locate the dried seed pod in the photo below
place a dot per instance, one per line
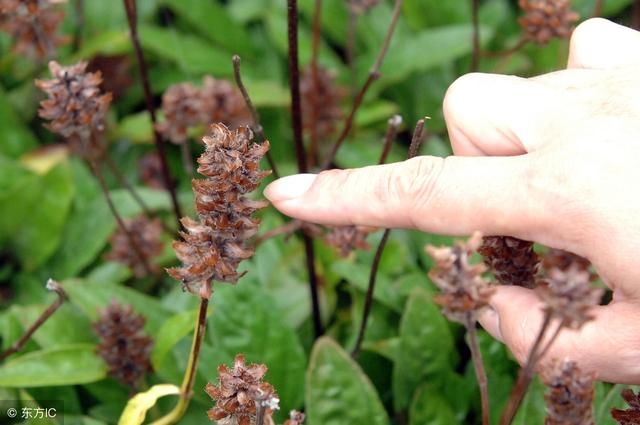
(325, 99)
(123, 344)
(630, 416)
(33, 24)
(361, 6)
(570, 395)
(76, 107)
(295, 418)
(347, 239)
(183, 107)
(146, 234)
(223, 103)
(214, 247)
(512, 260)
(463, 289)
(545, 19)
(150, 170)
(239, 393)
(569, 296)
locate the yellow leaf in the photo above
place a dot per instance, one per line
(136, 410)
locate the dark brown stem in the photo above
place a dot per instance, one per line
(313, 284)
(506, 53)
(475, 57)
(132, 241)
(392, 131)
(259, 414)
(285, 229)
(478, 365)
(132, 19)
(315, 80)
(374, 74)
(416, 140)
(597, 10)
(52, 285)
(635, 21)
(352, 26)
(257, 127)
(78, 6)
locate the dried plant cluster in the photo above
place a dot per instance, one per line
(630, 416)
(321, 99)
(463, 289)
(512, 260)
(295, 418)
(546, 19)
(33, 24)
(570, 395)
(123, 345)
(146, 234)
(214, 246)
(346, 239)
(241, 393)
(150, 170)
(187, 106)
(76, 108)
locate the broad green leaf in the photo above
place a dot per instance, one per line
(66, 326)
(375, 112)
(426, 352)
(430, 408)
(246, 320)
(337, 391)
(421, 14)
(192, 53)
(15, 136)
(170, 333)
(105, 43)
(65, 365)
(136, 410)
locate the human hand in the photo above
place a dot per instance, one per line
(553, 159)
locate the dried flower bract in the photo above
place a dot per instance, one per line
(630, 416)
(512, 260)
(322, 99)
(545, 19)
(570, 395)
(347, 239)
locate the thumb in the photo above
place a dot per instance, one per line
(607, 346)
(600, 44)
(454, 195)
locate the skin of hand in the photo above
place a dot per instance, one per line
(554, 159)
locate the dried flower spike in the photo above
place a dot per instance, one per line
(123, 344)
(240, 393)
(183, 108)
(570, 395)
(512, 260)
(322, 100)
(347, 239)
(545, 19)
(76, 107)
(464, 290)
(361, 6)
(33, 24)
(223, 103)
(150, 170)
(630, 416)
(214, 247)
(146, 234)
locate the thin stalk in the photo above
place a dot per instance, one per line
(315, 80)
(259, 414)
(635, 12)
(132, 241)
(257, 127)
(475, 39)
(187, 161)
(296, 118)
(52, 285)
(374, 74)
(597, 10)
(78, 6)
(285, 229)
(131, 9)
(392, 131)
(186, 389)
(478, 365)
(350, 53)
(506, 53)
(416, 141)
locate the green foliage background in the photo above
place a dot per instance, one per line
(415, 367)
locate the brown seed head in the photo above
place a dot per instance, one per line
(361, 6)
(545, 19)
(569, 296)
(463, 289)
(238, 393)
(150, 170)
(223, 103)
(123, 344)
(214, 247)
(183, 108)
(630, 416)
(325, 98)
(570, 395)
(512, 260)
(347, 239)
(76, 107)
(146, 234)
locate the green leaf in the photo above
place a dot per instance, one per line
(430, 408)
(66, 326)
(607, 397)
(191, 53)
(532, 409)
(15, 136)
(105, 43)
(338, 392)
(426, 352)
(421, 14)
(136, 410)
(172, 331)
(66, 365)
(247, 321)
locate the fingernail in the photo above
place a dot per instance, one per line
(290, 187)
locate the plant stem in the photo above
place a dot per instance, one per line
(597, 10)
(132, 241)
(257, 127)
(186, 389)
(635, 12)
(187, 161)
(130, 7)
(392, 131)
(506, 53)
(52, 285)
(478, 365)
(315, 80)
(352, 26)
(259, 413)
(78, 6)
(374, 74)
(475, 57)
(125, 183)
(296, 118)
